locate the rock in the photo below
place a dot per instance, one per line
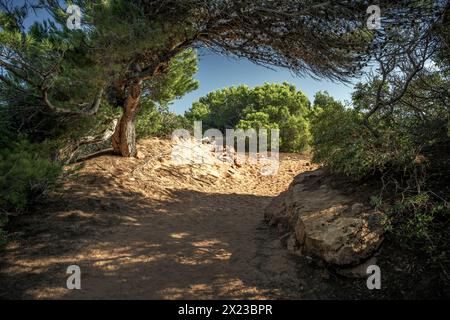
(328, 225)
(305, 176)
(341, 241)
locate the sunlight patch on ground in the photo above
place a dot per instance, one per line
(47, 293)
(204, 256)
(179, 235)
(224, 287)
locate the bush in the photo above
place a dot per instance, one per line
(274, 105)
(170, 122)
(26, 173)
(341, 141)
(152, 122)
(419, 221)
(148, 122)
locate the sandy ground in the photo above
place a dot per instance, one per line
(139, 229)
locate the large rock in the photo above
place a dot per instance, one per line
(325, 222)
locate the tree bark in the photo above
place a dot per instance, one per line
(124, 137)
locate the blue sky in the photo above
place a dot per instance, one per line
(217, 71)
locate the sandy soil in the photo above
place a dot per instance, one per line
(140, 229)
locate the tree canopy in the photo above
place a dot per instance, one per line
(277, 106)
(123, 44)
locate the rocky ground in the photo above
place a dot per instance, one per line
(318, 220)
(147, 229)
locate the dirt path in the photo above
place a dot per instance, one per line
(137, 233)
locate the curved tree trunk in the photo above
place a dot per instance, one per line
(124, 137)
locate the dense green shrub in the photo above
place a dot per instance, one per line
(26, 173)
(345, 144)
(419, 221)
(148, 122)
(269, 106)
(153, 122)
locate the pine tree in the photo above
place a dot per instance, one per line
(124, 44)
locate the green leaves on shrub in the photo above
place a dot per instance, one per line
(419, 219)
(341, 141)
(26, 172)
(152, 122)
(268, 106)
(3, 235)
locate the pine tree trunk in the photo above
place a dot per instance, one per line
(124, 138)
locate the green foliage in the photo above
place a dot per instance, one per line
(419, 221)
(221, 109)
(170, 122)
(153, 122)
(342, 142)
(178, 81)
(48, 56)
(26, 173)
(148, 121)
(153, 118)
(256, 120)
(295, 134)
(270, 106)
(405, 145)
